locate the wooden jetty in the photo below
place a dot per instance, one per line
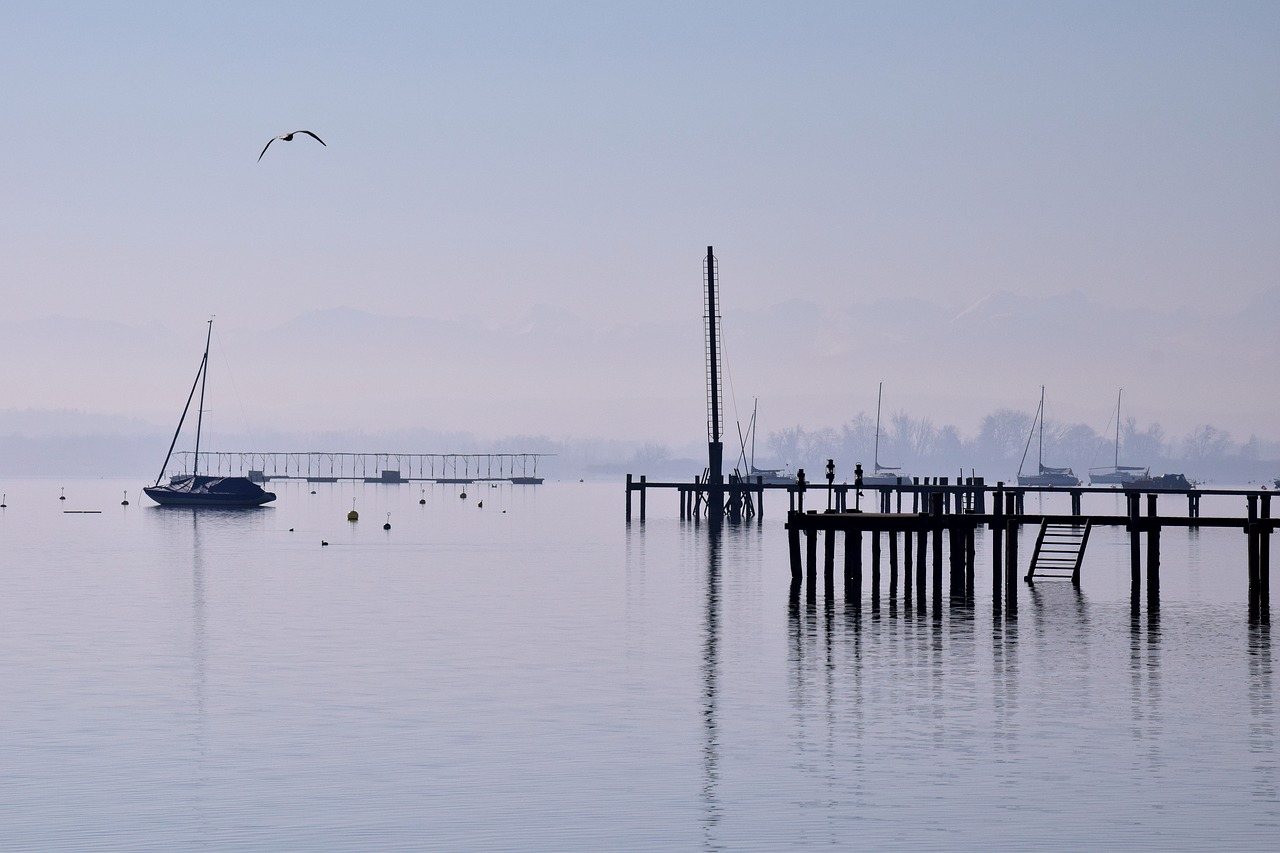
(926, 531)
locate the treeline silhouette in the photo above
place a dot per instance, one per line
(923, 448)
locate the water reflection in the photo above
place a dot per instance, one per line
(1262, 738)
(710, 674)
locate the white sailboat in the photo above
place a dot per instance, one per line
(883, 475)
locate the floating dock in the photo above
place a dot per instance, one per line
(326, 467)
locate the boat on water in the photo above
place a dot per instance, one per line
(1045, 475)
(767, 476)
(197, 489)
(1117, 474)
(1162, 483)
(883, 475)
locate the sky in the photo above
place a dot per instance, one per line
(486, 163)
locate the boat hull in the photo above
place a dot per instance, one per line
(198, 490)
(1163, 483)
(1064, 480)
(1116, 477)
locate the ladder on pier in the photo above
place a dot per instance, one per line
(1059, 550)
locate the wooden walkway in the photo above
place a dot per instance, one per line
(925, 532)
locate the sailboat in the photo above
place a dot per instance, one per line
(1045, 475)
(1117, 474)
(883, 475)
(768, 476)
(198, 489)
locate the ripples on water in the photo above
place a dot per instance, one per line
(535, 675)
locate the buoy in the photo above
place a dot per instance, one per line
(387, 526)
(480, 505)
(125, 502)
(353, 515)
(290, 529)
(423, 499)
(463, 496)
(2, 503)
(313, 491)
(63, 496)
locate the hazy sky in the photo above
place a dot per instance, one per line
(487, 158)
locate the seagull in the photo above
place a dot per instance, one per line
(288, 137)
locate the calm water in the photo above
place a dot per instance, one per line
(534, 675)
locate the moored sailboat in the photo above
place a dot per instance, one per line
(1045, 475)
(200, 489)
(1117, 474)
(883, 475)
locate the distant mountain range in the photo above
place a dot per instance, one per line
(552, 374)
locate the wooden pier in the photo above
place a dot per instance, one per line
(922, 536)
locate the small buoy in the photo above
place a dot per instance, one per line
(387, 526)
(290, 529)
(423, 499)
(322, 542)
(2, 503)
(313, 491)
(480, 505)
(125, 502)
(463, 496)
(353, 515)
(63, 496)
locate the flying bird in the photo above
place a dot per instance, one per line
(288, 137)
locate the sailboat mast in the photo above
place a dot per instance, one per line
(1040, 461)
(1117, 465)
(879, 394)
(204, 374)
(187, 408)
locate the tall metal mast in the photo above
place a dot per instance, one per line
(715, 450)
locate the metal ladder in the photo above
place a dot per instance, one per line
(1059, 550)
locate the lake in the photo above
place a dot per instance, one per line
(533, 674)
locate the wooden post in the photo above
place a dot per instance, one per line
(906, 568)
(1251, 528)
(1075, 502)
(628, 497)
(893, 565)
(852, 564)
(922, 544)
(956, 546)
(875, 569)
(980, 495)
(793, 545)
(1153, 553)
(970, 551)
(997, 535)
(936, 501)
(915, 494)
(1135, 544)
(1264, 554)
(811, 558)
(643, 491)
(858, 559)
(829, 554)
(1011, 552)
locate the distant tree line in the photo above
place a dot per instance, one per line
(922, 448)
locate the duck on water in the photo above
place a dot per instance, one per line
(200, 489)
